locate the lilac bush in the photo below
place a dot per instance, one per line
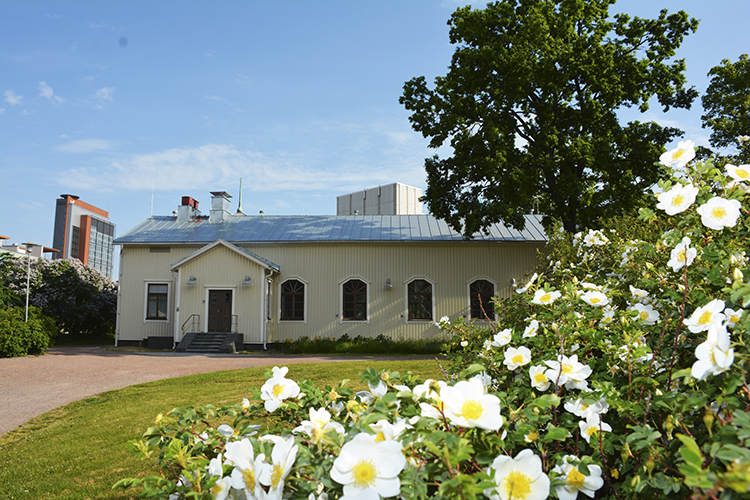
(80, 299)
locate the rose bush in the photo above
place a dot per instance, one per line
(618, 371)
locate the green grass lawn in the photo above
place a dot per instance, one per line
(80, 450)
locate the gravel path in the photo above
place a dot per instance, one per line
(31, 385)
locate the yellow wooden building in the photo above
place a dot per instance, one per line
(268, 279)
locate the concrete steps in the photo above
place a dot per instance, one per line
(210, 342)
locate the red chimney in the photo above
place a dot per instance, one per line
(190, 202)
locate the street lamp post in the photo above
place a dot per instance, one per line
(28, 246)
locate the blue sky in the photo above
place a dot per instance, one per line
(114, 100)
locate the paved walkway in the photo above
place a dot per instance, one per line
(32, 385)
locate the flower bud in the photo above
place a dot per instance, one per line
(159, 417)
(737, 274)
(708, 419)
(384, 376)
(669, 426)
(333, 395)
(625, 453)
(650, 464)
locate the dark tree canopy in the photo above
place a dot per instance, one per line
(529, 106)
(727, 107)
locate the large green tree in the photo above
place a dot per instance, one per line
(727, 107)
(529, 108)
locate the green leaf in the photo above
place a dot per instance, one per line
(690, 452)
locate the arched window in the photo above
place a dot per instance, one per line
(420, 300)
(354, 300)
(480, 296)
(292, 301)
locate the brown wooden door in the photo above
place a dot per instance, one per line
(219, 310)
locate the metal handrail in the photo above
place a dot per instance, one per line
(194, 319)
(234, 323)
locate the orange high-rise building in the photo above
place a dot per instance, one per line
(84, 232)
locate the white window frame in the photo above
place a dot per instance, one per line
(341, 300)
(146, 284)
(468, 296)
(304, 313)
(406, 301)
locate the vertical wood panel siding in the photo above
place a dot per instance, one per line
(140, 266)
(221, 268)
(450, 266)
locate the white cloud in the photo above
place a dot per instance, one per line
(13, 99)
(2, 111)
(46, 91)
(84, 146)
(105, 93)
(219, 166)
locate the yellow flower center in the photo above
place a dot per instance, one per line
(575, 478)
(595, 300)
(277, 389)
(718, 213)
(532, 436)
(316, 433)
(705, 318)
(517, 359)
(591, 430)
(248, 475)
(734, 318)
(276, 475)
(677, 154)
(216, 489)
(380, 437)
(643, 315)
(517, 485)
(678, 200)
(364, 473)
(471, 409)
(540, 378)
(545, 298)
(741, 172)
(567, 368)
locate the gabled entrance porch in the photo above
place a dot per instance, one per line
(221, 300)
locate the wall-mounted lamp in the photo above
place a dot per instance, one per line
(513, 282)
(388, 284)
(247, 281)
(192, 281)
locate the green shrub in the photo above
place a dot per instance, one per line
(19, 337)
(81, 299)
(360, 345)
(619, 371)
